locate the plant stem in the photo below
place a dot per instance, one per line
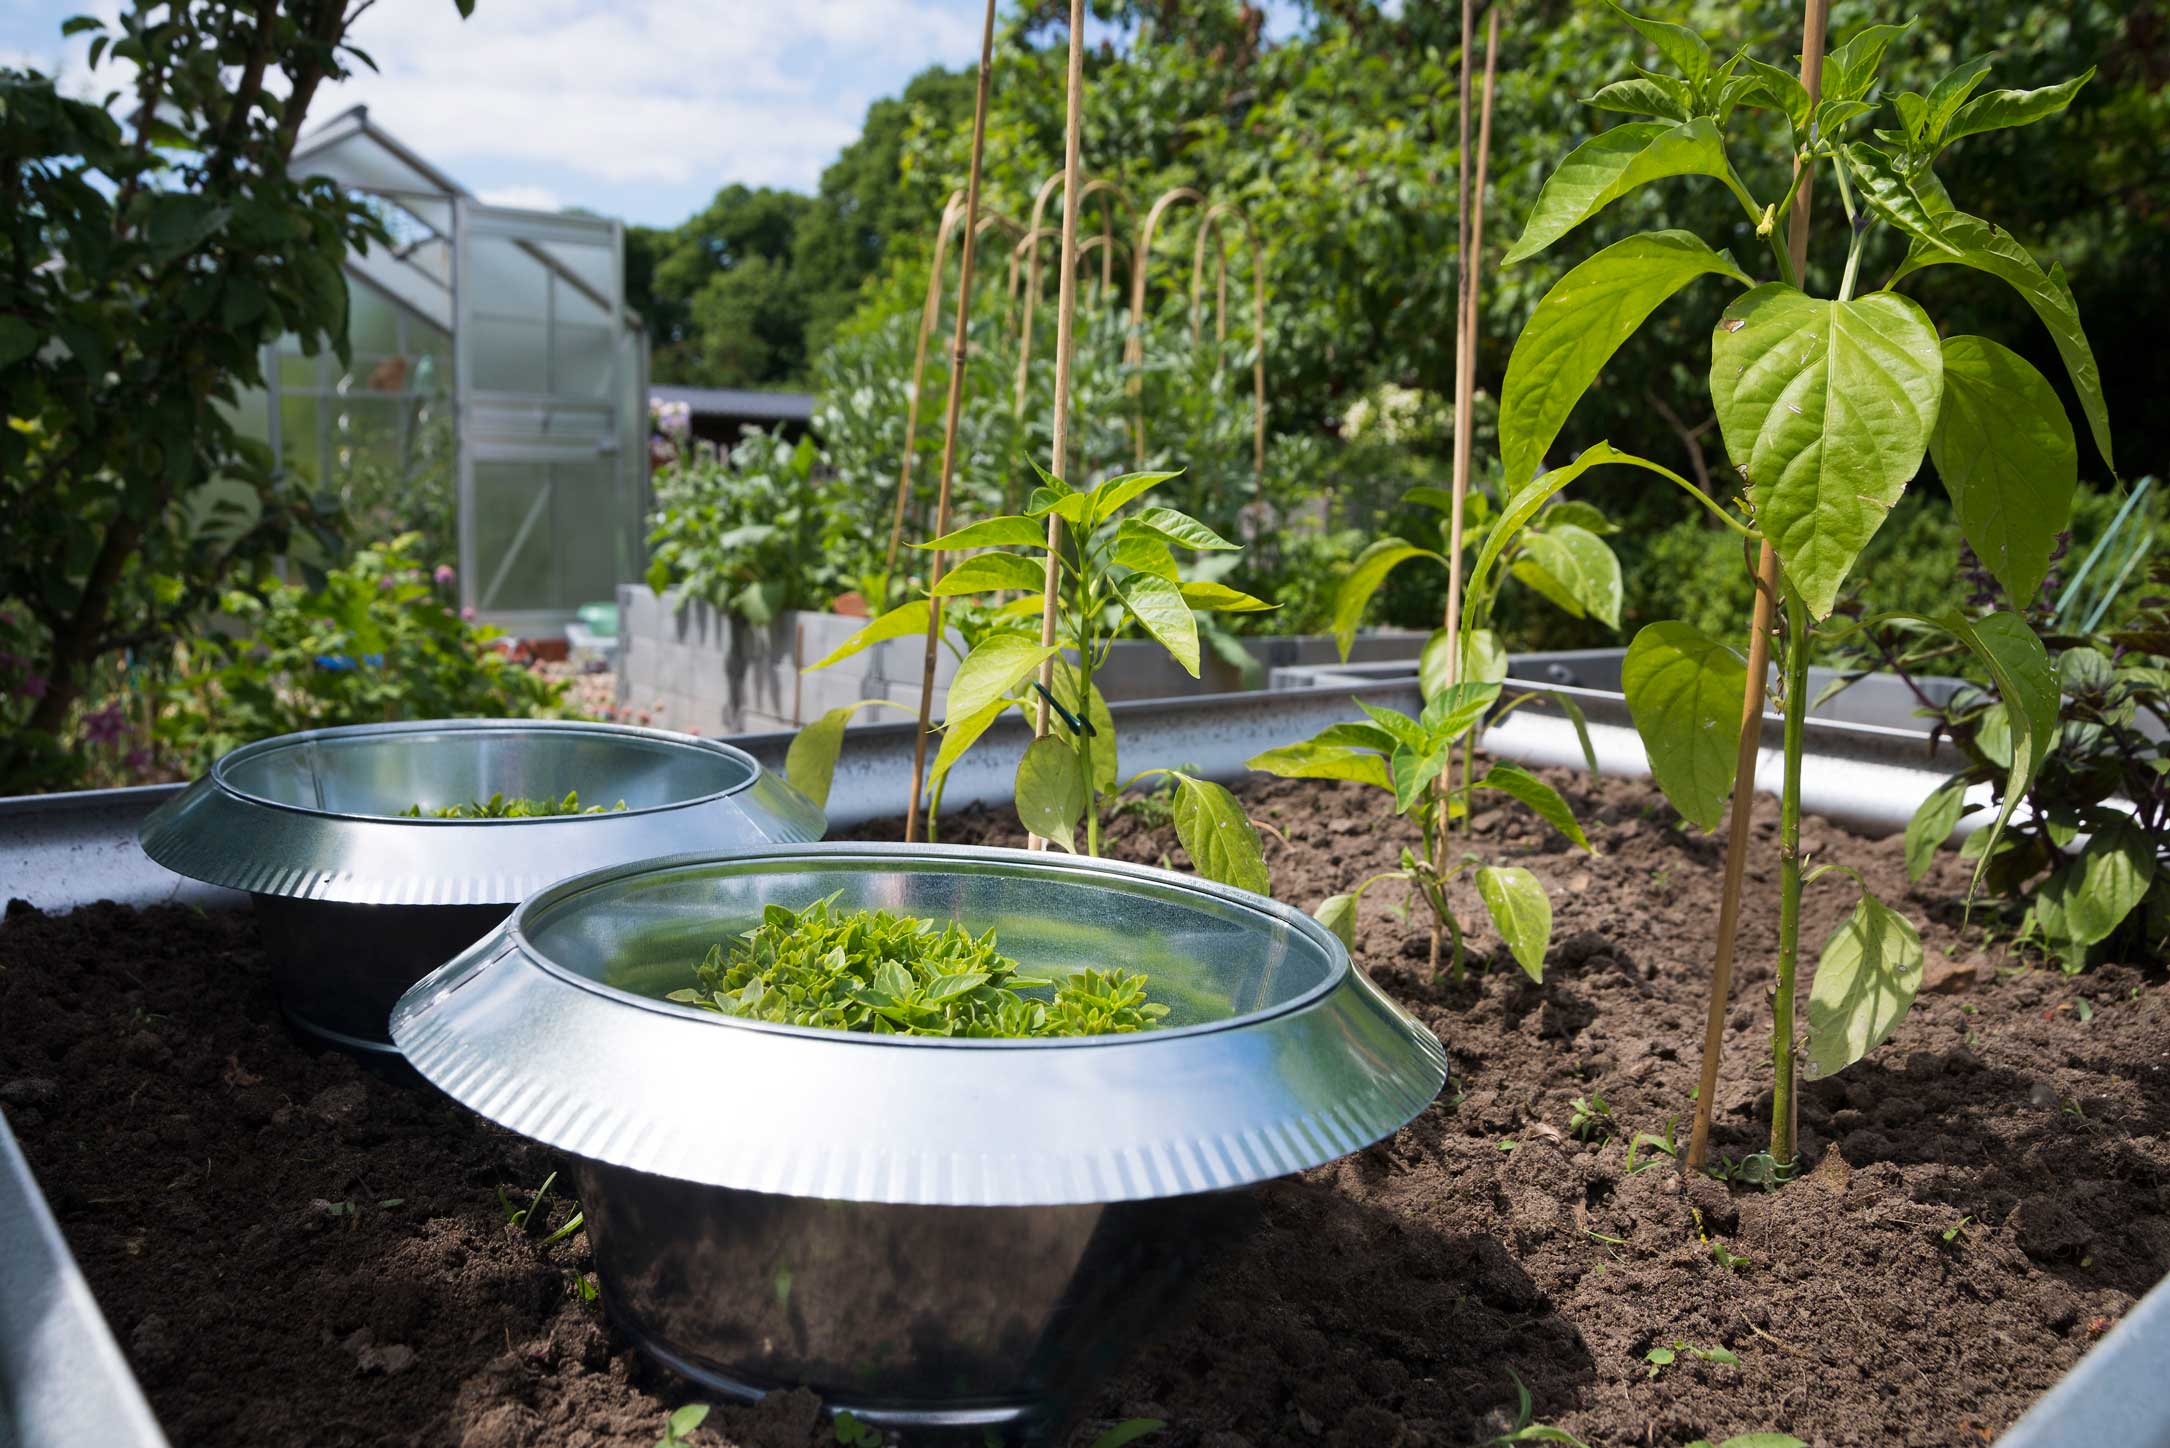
(1087, 610)
(1784, 1099)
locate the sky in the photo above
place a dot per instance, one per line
(638, 109)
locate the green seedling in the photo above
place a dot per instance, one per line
(1655, 1145)
(528, 1218)
(677, 1430)
(1526, 1428)
(1661, 1358)
(1827, 406)
(852, 1433)
(1957, 1231)
(1730, 1260)
(1408, 758)
(1130, 1430)
(1592, 1118)
(869, 970)
(497, 807)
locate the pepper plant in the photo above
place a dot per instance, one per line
(1827, 406)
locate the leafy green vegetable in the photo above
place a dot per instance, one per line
(497, 807)
(894, 975)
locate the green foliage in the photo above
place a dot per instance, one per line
(378, 641)
(497, 807)
(678, 1429)
(869, 970)
(1827, 407)
(150, 247)
(753, 534)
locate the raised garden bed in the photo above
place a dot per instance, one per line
(1989, 1198)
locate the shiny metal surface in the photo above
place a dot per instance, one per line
(906, 1316)
(63, 1381)
(1278, 1055)
(315, 815)
(357, 904)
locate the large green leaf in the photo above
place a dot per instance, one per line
(1890, 194)
(1013, 531)
(1578, 325)
(1687, 50)
(2005, 451)
(2000, 110)
(1949, 94)
(991, 671)
(1865, 981)
(1143, 551)
(1851, 68)
(1450, 713)
(1318, 760)
(1209, 597)
(810, 762)
(990, 573)
(1575, 569)
(961, 731)
(1218, 835)
(1652, 95)
(1685, 692)
(1050, 791)
(1612, 163)
(1365, 576)
(1542, 798)
(1109, 498)
(1985, 248)
(1522, 506)
(2091, 894)
(903, 621)
(1159, 608)
(1180, 529)
(1413, 768)
(1094, 713)
(1338, 914)
(1486, 662)
(1826, 408)
(1522, 913)
(1932, 824)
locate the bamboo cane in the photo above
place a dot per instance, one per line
(1470, 225)
(1815, 17)
(919, 366)
(1215, 220)
(1036, 232)
(1065, 318)
(1141, 260)
(959, 354)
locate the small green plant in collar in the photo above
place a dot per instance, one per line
(678, 1429)
(870, 970)
(1407, 757)
(497, 807)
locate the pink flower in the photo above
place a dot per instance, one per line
(468, 613)
(444, 575)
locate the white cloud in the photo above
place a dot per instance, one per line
(660, 91)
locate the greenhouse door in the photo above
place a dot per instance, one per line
(550, 465)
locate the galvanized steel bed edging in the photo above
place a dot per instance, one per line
(63, 1381)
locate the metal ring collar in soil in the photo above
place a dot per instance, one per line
(926, 1231)
(358, 903)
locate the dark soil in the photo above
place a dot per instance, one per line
(292, 1251)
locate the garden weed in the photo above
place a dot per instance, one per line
(681, 1424)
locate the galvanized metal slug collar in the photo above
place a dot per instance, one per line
(315, 815)
(1278, 1054)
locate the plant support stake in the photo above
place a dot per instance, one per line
(1065, 319)
(959, 350)
(1741, 813)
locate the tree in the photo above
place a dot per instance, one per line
(149, 248)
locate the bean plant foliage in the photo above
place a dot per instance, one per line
(151, 245)
(895, 975)
(497, 807)
(1828, 405)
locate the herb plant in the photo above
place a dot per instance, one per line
(892, 975)
(678, 1430)
(497, 807)
(1827, 406)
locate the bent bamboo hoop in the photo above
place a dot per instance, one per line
(1215, 223)
(1036, 231)
(953, 212)
(1141, 261)
(960, 353)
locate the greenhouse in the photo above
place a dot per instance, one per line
(496, 372)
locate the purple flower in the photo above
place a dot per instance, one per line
(139, 760)
(105, 726)
(11, 661)
(34, 686)
(444, 575)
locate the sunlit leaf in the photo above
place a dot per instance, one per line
(1685, 692)
(1865, 981)
(1522, 913)
(2005, 450)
